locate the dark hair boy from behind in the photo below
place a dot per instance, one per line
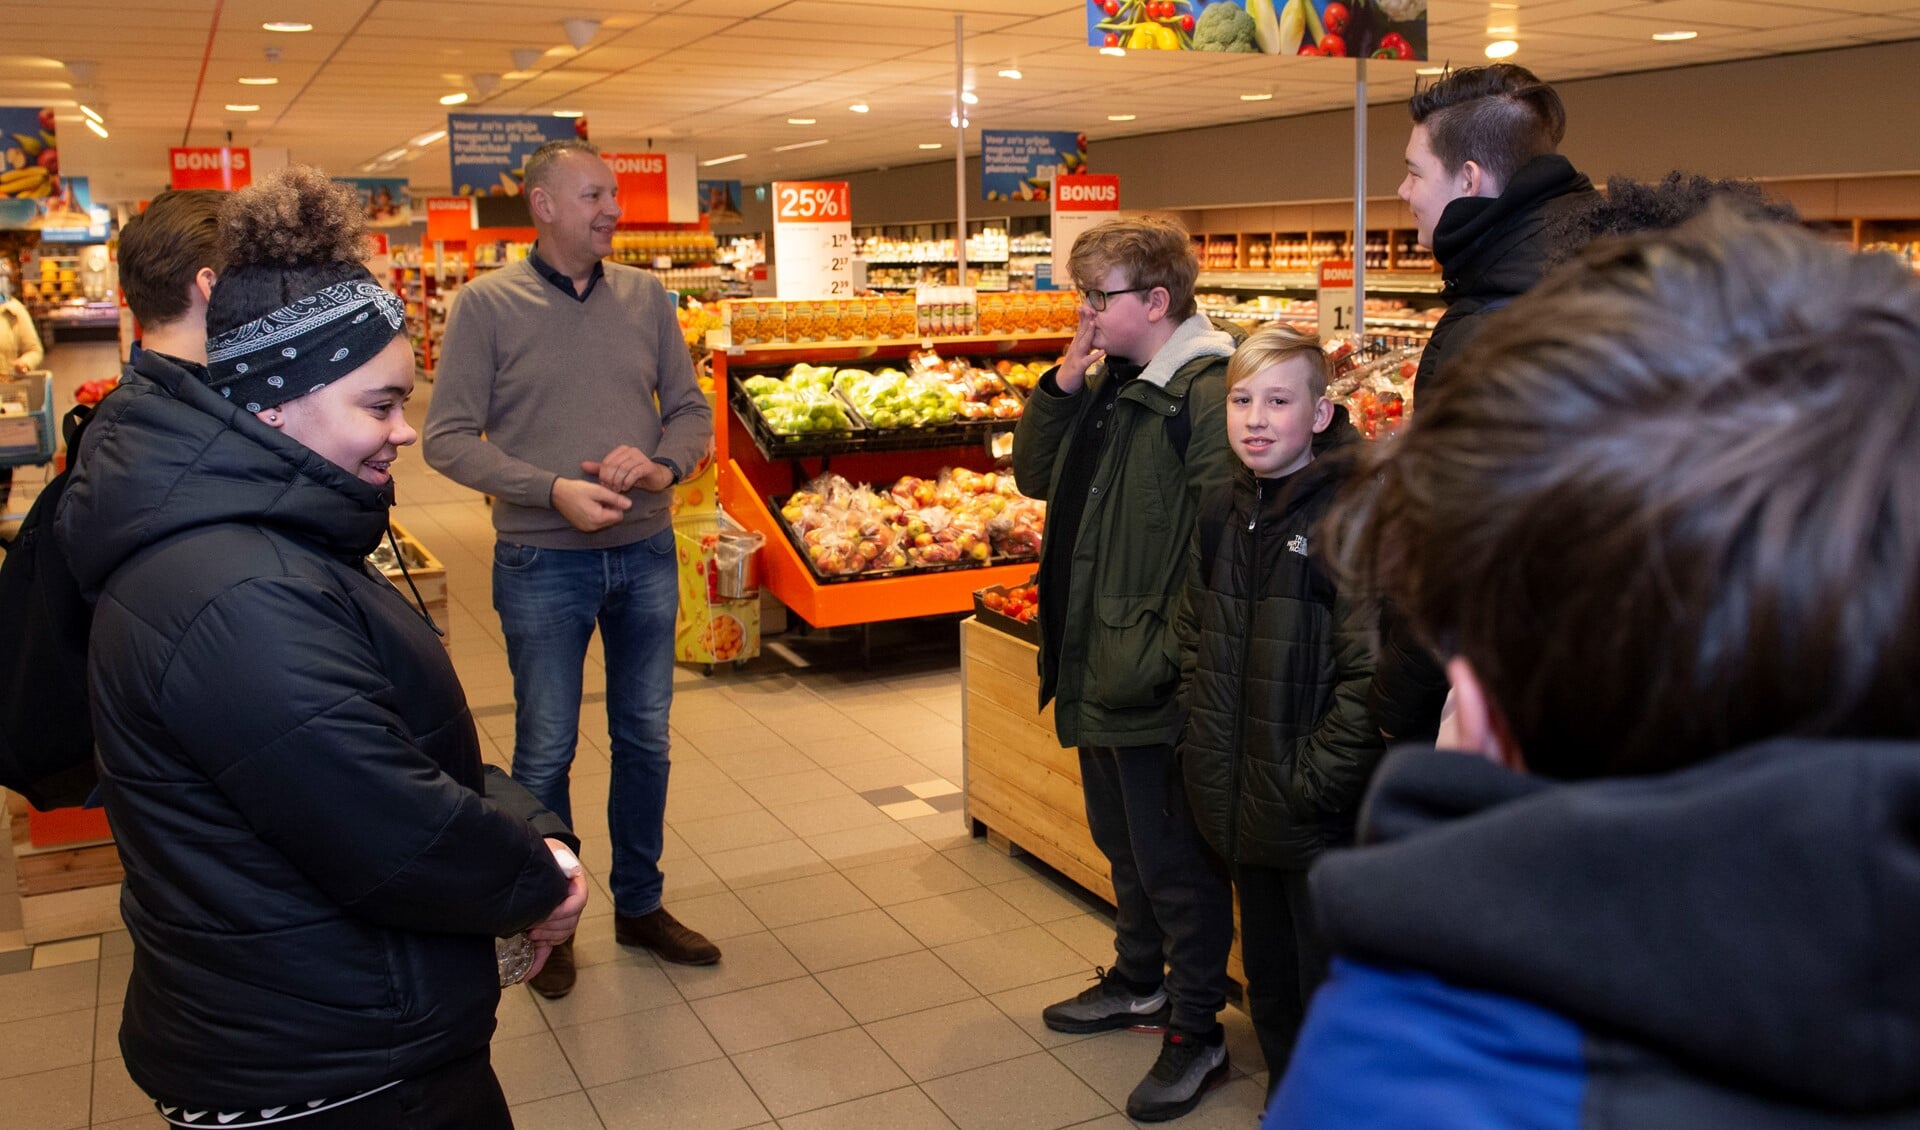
(1499, 117)
(164, 249)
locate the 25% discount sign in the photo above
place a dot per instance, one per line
(812, 240)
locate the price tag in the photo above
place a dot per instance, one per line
(1079, 202)
(812, 240)
(1336, 298)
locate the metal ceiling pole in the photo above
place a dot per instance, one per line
(1359, 251)
(960, 143)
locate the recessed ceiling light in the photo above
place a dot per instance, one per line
(1012, 73)
(287, 26)
(394, 154)
(1121, 117)
(453, 99)
(1256, 98)
(1504, 31)
(242, 107)
(859, 107)
(801, 121)
(96, 127)
(520, 76)
(800, 145)
(1116, 52)
(929, 145)
(1675, 36)
(1501, 48)
(569, 113)
(92, 114)
(1431, 71)
(970, 98)
(727, 160)
(426, 139)
(258, 80)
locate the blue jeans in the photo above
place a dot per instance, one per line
(549, 601)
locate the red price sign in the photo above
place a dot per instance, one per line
(811, 202)
(643, 186)
(450, 218)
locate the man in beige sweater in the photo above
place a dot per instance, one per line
(566, 392)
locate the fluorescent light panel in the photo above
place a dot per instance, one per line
(801, 145)
(727, 160)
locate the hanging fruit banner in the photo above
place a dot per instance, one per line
(1394, 30)
(489, 151)
(387, 201)
(29, 166)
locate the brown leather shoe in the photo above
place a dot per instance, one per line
(555, 979)
(664, 935)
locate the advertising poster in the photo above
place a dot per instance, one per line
(209, 167)
(1371, 29)
(1079, 202)
(386, 200)
(1021, 164)
(489, 151)
(656, 188)
(30, 184)
(449, 218)
(720, 201)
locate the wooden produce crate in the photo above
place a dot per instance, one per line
(68, 889)
(429, 576)
(1019, 784)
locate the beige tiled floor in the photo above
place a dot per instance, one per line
(878, 972)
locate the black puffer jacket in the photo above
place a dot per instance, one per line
(314, 878)
(1278, 746)
(1493, 249)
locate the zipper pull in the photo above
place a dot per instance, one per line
(1259, 493)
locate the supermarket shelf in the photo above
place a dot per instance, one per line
(1404, 282)
(818, 352)
(971, 261)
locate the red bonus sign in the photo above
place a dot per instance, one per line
(210, 168)
(811, 202)
(1092, 192)
(643, 186)
(450, 218)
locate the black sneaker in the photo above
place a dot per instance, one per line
(1189, 1066)
(1111, 1003)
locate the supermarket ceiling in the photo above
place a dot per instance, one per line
(720, 77)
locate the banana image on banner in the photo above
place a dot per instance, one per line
(29, 154)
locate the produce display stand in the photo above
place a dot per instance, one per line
(749, 478)
(68, 870)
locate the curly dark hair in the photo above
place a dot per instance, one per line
(1632, 206)
(283, 239)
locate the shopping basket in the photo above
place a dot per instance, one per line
(26, 420)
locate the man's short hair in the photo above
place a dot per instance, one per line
(1667, 504)
(1276, 345)
(1632, 206)
(1152, 251)
(540, 166)
(164, 247)
(1499, 117)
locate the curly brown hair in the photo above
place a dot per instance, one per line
(283, 239)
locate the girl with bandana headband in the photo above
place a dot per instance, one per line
(317, 863)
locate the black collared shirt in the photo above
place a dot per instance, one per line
(562, 281)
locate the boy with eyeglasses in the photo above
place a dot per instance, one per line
(1123, 439)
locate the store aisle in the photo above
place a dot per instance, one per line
(882, 968)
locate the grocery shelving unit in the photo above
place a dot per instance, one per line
(748, 478)
(904, 256)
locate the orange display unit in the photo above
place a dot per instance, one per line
(748, 480)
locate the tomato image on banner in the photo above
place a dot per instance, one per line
(1391, 30)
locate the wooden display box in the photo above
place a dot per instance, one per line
(68, 889)
(1018, 783)
(429, 576)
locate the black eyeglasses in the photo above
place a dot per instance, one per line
(1098, 298)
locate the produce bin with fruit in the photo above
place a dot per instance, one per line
(1011, 610)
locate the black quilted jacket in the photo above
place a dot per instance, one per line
(1278, 745)
(317, 862)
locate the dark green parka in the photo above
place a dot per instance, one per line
(1113, 678)
(1278, 746)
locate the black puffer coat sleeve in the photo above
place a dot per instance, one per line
(310, 750)
(514, 797)
(1409, 683)
(1338, 760)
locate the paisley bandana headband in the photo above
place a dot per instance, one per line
(300, 347)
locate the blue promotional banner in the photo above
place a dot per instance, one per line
(387, 201)
(490, 151)
(720, 201)
(82, 222)
(1394, 30)
(1021, 164)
